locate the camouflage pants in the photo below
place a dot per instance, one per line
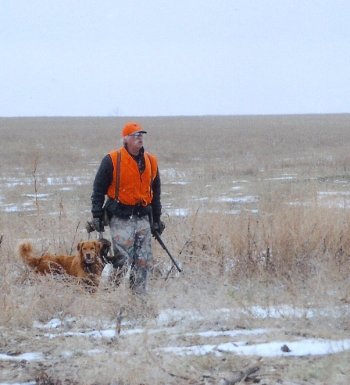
(131, 238)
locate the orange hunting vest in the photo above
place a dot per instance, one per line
(129, 186)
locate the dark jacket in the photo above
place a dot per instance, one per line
(103, 179)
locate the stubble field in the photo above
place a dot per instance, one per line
(257, 215)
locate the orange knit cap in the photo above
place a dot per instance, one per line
(130, 128)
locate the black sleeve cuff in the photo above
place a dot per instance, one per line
(97, 214)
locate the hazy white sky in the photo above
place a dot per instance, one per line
(180, 57)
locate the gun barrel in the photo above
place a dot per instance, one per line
(160, 241)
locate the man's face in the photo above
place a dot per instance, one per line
(135, 142)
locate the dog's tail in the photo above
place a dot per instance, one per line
(25, 250)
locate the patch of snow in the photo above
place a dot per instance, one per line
(308, 347)
(75, 180)
(13, 208)
(178, 212)
(270, 349)
(52, 324)
(41, 196)
(240, 199)
(180, 182)
(200, 198)
(19, 383)
(282, 177)
(334, 193)
(229, 333)
(24, 356)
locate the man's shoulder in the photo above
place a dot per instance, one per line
(107, 160)
(115, 151)
(113, 154)
(151, 156)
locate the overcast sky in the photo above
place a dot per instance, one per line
(179, 57)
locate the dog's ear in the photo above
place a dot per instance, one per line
(98, 246)
(79, 246)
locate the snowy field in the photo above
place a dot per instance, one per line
(178, 333)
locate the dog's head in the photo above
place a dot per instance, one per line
(89, 251)
(105, 248)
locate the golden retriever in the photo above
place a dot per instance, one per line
(85, 265)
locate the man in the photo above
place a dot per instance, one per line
(130, 178)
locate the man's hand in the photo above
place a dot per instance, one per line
(158, 227)
(89, 227)
(98, 225)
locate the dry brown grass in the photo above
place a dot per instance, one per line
(288, 246)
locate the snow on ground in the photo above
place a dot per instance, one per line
(248, 342)
(234, 196)
(19, 383)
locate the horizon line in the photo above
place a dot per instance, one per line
(170, 116)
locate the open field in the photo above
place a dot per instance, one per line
(257, 214)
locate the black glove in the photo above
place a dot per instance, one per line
(158, 227)
(98, 225)
(89, 227)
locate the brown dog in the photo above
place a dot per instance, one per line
(85, 265)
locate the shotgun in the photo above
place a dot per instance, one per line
(160, 241)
